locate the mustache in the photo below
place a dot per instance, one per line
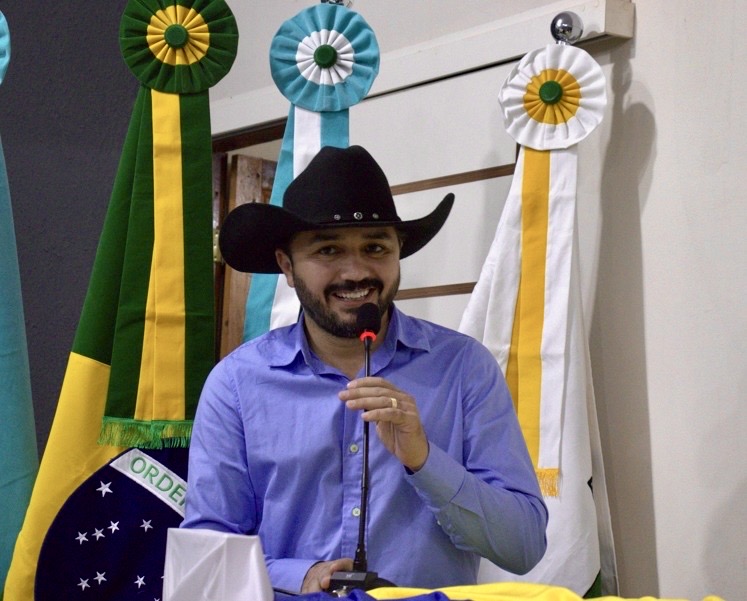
(352, 286)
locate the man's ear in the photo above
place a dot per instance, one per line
(286, 265)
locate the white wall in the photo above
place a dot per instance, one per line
(397, 24)
(667, 280)
(662, 218)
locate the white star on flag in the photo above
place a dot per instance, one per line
(95, 546)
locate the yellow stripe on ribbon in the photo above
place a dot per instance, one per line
(524, 367)
(161, 388)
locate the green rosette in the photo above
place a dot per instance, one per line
(178, 46)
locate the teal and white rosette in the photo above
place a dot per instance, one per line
(324, 60)
(4, 46)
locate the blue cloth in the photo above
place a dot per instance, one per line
(275, 452)
(357, 595)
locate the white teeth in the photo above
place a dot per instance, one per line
(353, 295)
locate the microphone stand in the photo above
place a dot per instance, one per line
(342, 583)
(360, 563)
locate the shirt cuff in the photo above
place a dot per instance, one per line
(439, 480)
(288, 574)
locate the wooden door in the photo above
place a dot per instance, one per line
(245, 179)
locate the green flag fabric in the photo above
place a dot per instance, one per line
(161, 346)
(145, 339)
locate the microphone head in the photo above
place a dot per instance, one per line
(368, 319)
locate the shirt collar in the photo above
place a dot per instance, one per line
(283, 347)
(289, 346)
(406, 331)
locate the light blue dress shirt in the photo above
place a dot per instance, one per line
(275, 452)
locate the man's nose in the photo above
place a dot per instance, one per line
(354, 266)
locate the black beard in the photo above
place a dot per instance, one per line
(316, 311)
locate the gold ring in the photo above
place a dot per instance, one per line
(394, 402)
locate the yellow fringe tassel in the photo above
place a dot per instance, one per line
(549, 481)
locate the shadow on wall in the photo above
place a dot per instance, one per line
(618, 332)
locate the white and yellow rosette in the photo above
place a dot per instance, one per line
(526, 305)
(553, 98)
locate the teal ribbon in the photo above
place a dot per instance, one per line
(4, 46)
(259, 301)
(331, 101)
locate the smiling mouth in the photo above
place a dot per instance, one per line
(353, 295)
(355, 292)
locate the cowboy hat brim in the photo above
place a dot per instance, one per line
(252, 232)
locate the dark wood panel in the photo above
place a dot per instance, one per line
(454, 179)
(431, 291)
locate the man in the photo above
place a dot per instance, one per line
(277, 440)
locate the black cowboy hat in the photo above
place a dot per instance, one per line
(341, 187)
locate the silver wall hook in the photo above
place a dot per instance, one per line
(567, 28)
(345, 3)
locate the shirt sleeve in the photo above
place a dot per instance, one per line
(287, 574)
(489, 503)
(220, 495)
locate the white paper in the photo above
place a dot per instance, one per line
(204, 565)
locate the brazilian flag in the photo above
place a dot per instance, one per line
(144, 343)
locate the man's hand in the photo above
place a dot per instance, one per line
(396, 416)
(318, 577)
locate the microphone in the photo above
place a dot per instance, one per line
(368, 322)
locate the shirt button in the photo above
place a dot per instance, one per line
(353, 448)
(356, 511)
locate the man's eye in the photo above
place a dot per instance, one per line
(375, 248)
(327, 250)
